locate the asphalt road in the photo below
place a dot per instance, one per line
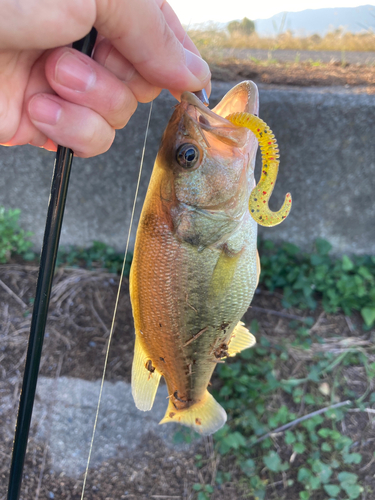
(303, 55)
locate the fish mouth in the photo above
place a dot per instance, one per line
(243, 98)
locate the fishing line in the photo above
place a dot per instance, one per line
(117, 301)
(116, 306)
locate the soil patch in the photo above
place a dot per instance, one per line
(361, 77)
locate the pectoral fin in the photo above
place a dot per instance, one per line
(223, 274)
(205, 416)
(240, 340)
(145, 378)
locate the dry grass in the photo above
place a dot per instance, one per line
(337, 40)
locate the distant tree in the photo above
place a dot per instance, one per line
(233, 27)
(244, 27)
(247, 26)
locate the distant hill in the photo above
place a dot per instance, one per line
(319, 21)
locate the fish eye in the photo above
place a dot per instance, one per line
(187, 155)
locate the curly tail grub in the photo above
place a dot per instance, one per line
(260, 195)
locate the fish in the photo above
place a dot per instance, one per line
(195, 265)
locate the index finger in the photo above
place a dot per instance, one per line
(149, 34)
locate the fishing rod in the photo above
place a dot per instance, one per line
(55, 213)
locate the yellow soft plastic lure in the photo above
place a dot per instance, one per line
(260, 195)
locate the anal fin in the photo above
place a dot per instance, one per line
(240, 340)
(205, 416)
(144, 382)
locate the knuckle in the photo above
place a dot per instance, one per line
(96, 139)
(121, 105)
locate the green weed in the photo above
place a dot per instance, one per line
(98, 256)
(13, 239)
(346, 283)
(313, 455)
(204, 491)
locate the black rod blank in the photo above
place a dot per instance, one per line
(55, 213)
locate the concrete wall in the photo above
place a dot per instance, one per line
(326, 140)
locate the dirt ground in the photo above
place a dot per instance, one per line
(76, 336)
(360, 78)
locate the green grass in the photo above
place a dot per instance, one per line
(346, 283)
(258, 400)
(13, 239)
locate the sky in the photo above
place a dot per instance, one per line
(199, 11)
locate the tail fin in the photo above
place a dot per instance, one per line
(205, 417)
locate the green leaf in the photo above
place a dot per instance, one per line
(314, 374)
(254, 326)
(272, 461)
(347, 264)
(315, 482)
(347, 477)
(304, 474)
(202, 496)
(197, 487)
(332, 489)
(363, 271)
(352, 458)
(368, 315)
(29, 256)
(324, 432)
(326, 447)
(179, 437)
(309, 399)
(352, 490)
(304, 495)
(299, 448)
(226, 390)
(289, 437)
(323, 246)
(235, 440)
(322, 470)
(248, 467)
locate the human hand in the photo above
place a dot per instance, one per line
(51, 94)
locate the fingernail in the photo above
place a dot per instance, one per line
(197, 65)
(45, 110)
(73, 73)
